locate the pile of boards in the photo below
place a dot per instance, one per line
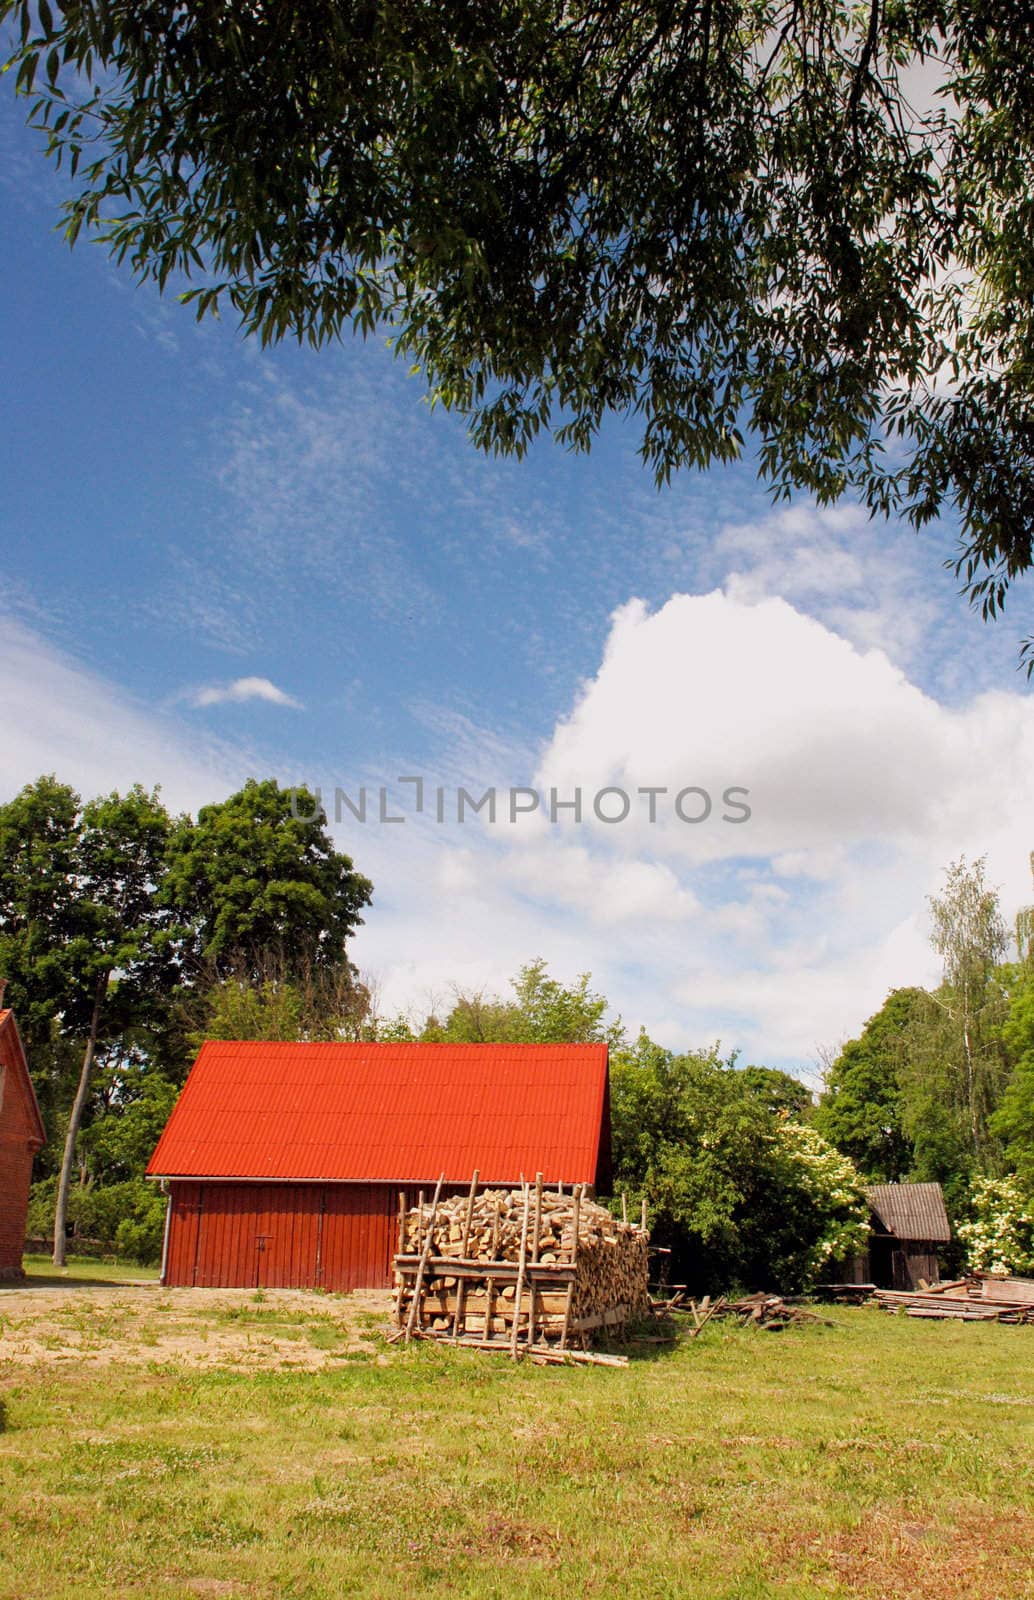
(528, 1270)
(768, 1311)
(981, 1298)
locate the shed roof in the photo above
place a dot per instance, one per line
(911, 1210)
(368, 1113)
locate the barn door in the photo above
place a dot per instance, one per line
(358, 1236)
(287, 1235)
(902, 1271)
(227, 1255)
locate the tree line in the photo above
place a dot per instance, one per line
(939, 1085)
(129, 936)
(123, 931)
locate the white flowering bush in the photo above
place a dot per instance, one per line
(999, 1237)
(832, 1187)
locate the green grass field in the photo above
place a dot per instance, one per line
(85, 1269)
(879, 1458)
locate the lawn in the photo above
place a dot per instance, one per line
(880, 1457)
(85, 1269)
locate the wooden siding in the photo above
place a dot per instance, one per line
(283, 1236)
(21, 1134)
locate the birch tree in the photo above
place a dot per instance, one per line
(971, 938)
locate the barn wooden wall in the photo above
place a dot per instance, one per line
(332, 1236)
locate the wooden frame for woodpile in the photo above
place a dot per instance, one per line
(524, 1270)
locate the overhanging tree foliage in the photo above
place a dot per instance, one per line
(725, 217)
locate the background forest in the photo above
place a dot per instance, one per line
(128, 936)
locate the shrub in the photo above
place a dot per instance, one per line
(127, 1218)
(999, 1236)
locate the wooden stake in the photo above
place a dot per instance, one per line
(490, 1286)
(521, 1264)
(400, 1287)
(643, 1223)
(624, 1206)
(418, 1283)
(577, 1193)
(708, 1312)
(470, 1210)
(459, 1321)
(534, 1256)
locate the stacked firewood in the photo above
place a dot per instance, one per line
(524, 1266)
(494, 1229)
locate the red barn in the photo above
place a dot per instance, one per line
(21, 1135)
(285, 1161)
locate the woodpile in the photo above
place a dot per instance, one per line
(980, 1298)
(527, 1269)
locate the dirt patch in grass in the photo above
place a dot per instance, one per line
(978, 1551)
(146, 1325)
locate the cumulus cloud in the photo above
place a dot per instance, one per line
(243, 689)
(780, 934)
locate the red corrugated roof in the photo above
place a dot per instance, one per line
(368, 1113)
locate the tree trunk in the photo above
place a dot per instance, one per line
(76, 1117)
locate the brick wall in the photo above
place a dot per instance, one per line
(15, 1177)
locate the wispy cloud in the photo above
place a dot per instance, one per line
(59, 716)
(241, 690)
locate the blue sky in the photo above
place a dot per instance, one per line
(221, 561)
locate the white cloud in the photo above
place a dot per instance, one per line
(243, 689)
(778, 935)
(58, 716)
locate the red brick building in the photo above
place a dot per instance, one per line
(285, 1162)
(21, 1135)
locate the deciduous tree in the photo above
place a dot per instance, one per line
(860, 1110)
(971, 938)
(122, 941)
(257, 878)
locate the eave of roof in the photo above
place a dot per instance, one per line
(8, 1024)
